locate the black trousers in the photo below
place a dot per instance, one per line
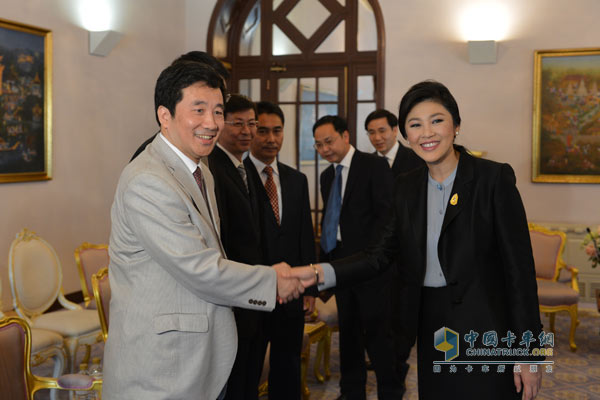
(364, 322)
(284, 329)
(435, 311)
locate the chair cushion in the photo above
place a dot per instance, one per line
(42, 338)
(12, 362)
(69, 323)
(556, 294)
(75, 381)
(327, 311)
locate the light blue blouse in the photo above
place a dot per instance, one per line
(438, 195)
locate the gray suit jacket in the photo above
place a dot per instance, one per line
(172, 333)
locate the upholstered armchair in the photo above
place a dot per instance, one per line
(554, 294)
(101, 288)
(90, 258)
(44, 345)
(16, 379)
(35, 276)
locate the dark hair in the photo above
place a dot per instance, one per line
(339, 124)
(176, 77)
(239, 102)
(381, 113)
(204, 58)
(429, 90)
(266, 107)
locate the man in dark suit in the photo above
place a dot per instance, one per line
(382, 128)
(286, 234)
(357, 192)
(240, 233)
(192, 56)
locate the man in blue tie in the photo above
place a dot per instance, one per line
(357, 193)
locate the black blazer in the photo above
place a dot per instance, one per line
(366, 201)
(240, 232)
(406, 160)
(293, 241)
(484, 248)
(238, 210)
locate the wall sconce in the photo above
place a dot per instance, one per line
(482, 51)
(483, 24)
(102, 42)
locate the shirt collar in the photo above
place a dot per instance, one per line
(189, 163)
(234, 160)
(260, 166)
(391, 154)
(347, 160)
(447, 182)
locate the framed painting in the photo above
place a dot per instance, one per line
(25, 102)
(566, 116)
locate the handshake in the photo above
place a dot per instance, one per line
(291, 282)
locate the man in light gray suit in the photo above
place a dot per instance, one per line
(172, 332)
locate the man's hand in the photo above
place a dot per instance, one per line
(309, 305)
(288, 286)
(530, 382)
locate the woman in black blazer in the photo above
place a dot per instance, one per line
(459, 238)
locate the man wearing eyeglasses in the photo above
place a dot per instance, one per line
(357, 192)
(240, 233)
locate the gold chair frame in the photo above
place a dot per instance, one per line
(560, 265)
(36, 383)
(103, 273)
(86, 288)
(71, 344)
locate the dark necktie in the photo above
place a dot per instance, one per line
(242, 171)
(200, 181)
(271, 189)
(332, 213)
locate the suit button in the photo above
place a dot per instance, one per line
(263, 303)
(250, 301)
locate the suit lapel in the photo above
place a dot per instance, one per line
(286, 193)
(461, 190)
(187, 182)
(416, 204)
(231, 170)
(353, 173)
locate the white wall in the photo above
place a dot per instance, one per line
(423, 40)
(103, 108)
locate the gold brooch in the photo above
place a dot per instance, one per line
(454, 199)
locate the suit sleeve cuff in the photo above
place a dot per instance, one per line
(328, 277)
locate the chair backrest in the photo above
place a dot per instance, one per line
(101, 288)
(547, 248)
(15, 345)
(90, 258)
(35, 274)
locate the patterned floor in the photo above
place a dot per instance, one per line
(576, 376)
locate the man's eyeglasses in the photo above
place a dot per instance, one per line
(251, 124)
(326, 142)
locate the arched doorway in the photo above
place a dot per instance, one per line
(313, 58)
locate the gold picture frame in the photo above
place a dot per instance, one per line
(25, 102)
(566, 116)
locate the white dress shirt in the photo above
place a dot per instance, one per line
(391, 154)
(345, 163)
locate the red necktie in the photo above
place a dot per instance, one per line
(271, 189)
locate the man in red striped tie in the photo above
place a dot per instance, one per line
(286, 234)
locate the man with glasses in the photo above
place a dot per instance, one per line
(357, 193)
(240, 233)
